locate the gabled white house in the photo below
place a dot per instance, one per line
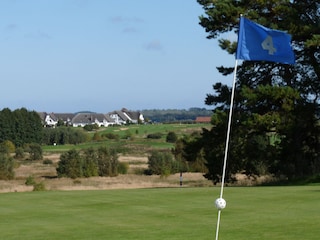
(124, 116)
(135, 117)
(83, 119)
(48, 119)
(119, 117)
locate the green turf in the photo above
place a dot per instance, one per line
(138, 137)
(288, 213)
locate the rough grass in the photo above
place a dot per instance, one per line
(46, 174)
(135, 178)
(262, 213)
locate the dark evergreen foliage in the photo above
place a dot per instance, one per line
(175, 115)
(171, 137)
(20, 126)
(63, 135)
(70, 164)
(275, 126)
(154, 135)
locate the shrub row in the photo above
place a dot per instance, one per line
(91, 162)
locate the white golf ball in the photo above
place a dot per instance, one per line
(220, 203)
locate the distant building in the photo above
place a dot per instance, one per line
(203, 119)
(83, 119)
(124, 116)
(87, 118)
(66, 118)
(48, 119)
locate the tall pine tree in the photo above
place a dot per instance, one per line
(275, 127)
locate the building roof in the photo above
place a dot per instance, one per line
(108, 118)
(85, 118)
(203, 119)
(64, 116)
(42, 115)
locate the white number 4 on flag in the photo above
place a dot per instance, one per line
(267, 44)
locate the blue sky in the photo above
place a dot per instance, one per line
(103, 55)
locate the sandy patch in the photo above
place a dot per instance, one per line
(133, 159)
(127, 181)
(14, 186)
(54, 157)
(35, 169)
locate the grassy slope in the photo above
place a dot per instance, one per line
(166, 213)
(138, 135)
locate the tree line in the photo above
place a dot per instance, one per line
(23, 127)
(20, 126)
(175, 115)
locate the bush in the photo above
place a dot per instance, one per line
(30, 181)
(96, 137)
(123, 168)
(7, 147)
(76, 181)
(70, 164)
(47, 162)
(162, 163)
(107, 162)
(154, 135)
(39, 187)
(89, 163)
(6, 167)
(171, 137)
(141, 171)
(19, 153)
(91, 127)
(111, 136)
(35, 151)
(36, 186)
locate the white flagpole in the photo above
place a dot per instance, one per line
(227, 143)
(229, 128)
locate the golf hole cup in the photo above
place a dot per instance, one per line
(220, 203)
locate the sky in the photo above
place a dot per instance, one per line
(105, 55)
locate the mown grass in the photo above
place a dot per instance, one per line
(145, 129)
(262, 213)
(132, 137)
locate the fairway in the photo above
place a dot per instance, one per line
(288, 213)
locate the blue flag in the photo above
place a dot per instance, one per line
(258, 43)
